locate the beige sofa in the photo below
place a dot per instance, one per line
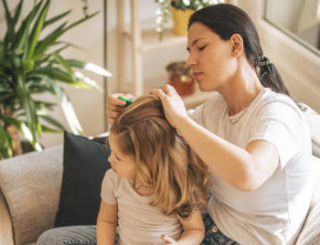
(30, 187)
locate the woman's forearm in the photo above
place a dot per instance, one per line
(228, 161)
(106, 233)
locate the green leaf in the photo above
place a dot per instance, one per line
(76, 63)
(46, 129)
(49, 40)
(23, 32)
(55, 86)
(40, 88)
(28, 65)
(43, 104)
(53, 122)
(56, 74)
(10, 31)
(81, 20)
(63, 62)
(56, 18)
(52, 38)
(28, 105)
(17, 13)
(38, 28)
(6, 144)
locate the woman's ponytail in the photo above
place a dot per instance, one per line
(269, 75)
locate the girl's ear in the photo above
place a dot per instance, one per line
(236, 45)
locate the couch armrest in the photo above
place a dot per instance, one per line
(31, 185)
(6, 233)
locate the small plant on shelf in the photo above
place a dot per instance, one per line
(163, 11)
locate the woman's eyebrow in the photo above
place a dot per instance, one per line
(194, 42)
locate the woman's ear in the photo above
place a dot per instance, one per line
(236, 44)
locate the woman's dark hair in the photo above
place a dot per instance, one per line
(226, 20)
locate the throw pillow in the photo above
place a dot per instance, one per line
(84, 165)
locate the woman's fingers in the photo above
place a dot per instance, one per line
(115, 105)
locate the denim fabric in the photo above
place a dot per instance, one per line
(213, 235)
(86, 235)
(72, 235)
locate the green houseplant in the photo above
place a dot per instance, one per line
(31, 63)
(166, 7)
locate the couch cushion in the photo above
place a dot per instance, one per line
(31, 185)
(310, 233)
(85, 163)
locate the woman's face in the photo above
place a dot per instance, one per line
(123, 164)
(210, 57)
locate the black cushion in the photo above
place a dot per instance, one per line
(84, 165)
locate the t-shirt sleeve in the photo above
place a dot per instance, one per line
(281, 125)
(108, 187)
(197, 114)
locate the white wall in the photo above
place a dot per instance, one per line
(88, 104)
(154, 62)
(299, 67)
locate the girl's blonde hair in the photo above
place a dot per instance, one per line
(165, 162)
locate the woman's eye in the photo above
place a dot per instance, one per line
(202, 47)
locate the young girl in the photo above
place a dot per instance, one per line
(156, 185)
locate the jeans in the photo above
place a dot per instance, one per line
(71, 235)
(86, 235)
(213, 235)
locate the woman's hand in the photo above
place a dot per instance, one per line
(173, 105)
(115, 105)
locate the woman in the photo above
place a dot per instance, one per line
(250, 133)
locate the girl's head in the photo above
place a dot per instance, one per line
(145, 147)
(226, 21)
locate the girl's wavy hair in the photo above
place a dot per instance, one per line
(164, 160)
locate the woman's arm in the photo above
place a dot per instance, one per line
(193, 231)
(106, 224)
(245, 169)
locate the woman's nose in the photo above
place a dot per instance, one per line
(191, 60)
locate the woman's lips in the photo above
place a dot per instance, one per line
(197, 75)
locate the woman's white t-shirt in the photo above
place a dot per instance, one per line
(139, 223)
(273, 213)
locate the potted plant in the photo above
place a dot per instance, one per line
(181, 11)
(31, 63)
(180, 77)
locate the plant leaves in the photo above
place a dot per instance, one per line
(53, 122)
(56, 74)
(60, 60)
(17, 13)
(38, 28)
(23, 32)
(56, 18)
(49, 40)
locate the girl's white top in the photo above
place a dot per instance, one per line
(139, 222)
(273, 213)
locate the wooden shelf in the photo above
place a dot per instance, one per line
(150, 38)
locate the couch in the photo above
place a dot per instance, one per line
(30, 189)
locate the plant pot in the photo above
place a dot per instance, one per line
(180, 20)
(14, 133)
(180, 78)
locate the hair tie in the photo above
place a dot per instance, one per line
(263, 61)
